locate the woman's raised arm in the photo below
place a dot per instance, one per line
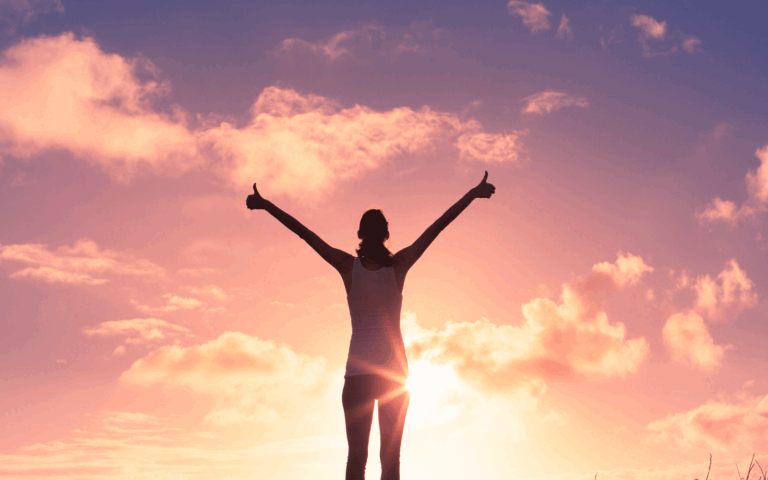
(406, 257)
(339, 259)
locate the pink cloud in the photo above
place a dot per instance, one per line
(737, 427)
(534, 15)
(549, 101)
(65, 93)
(727, 295)
(250, 380)
(143, 329)
(76, 264)
(649, 26)
(628, 269)
(564, 31)
(688, 339)
(292, 136)
(656, 39)
(52, 275)
(757, 183)
(563, 340)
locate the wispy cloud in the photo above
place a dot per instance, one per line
(656, 38)
(564, 31)
(722, 425)
(757, 183)
(419, 38)
(76, 264)
(136, 330)
(552, 100)
(16, 13)
(534, 15)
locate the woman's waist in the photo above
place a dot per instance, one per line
(378, 332)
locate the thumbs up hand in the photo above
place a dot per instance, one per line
(255, 201)
(483, 189)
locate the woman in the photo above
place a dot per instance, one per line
(376, 366)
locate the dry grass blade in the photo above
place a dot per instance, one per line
(710, 466)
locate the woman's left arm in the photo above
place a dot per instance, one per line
(405, 258)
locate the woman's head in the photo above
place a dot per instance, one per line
(373, 232)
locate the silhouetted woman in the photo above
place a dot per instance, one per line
(376, 366)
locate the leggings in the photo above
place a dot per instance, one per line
(358, 396)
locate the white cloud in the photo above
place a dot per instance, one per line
(551, 100)
(534, 15)
(564, 31)
(76, 264)
(628, 269)
(757, 183)
(689, 341)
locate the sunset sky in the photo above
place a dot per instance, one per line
(605, 311)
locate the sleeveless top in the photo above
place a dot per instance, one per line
(377, 345)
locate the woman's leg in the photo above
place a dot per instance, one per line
(392, 409)
(358, 402)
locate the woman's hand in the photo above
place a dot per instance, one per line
(255, 201)
(482, 190)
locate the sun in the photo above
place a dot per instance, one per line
(436, 393)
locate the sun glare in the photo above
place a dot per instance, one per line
(436, 393)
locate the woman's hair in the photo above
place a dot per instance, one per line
(374, 230)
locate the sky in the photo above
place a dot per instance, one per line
(603, 313)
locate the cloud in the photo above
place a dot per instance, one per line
(293, 137)
(534, 15)
(727, 295)
(15, 13)
(688, 339)
(136, 330)
(332, 48)
(249, 380)
(362, 42)
(65, 93)
(757, 184)
(721, 425)
(649, 26)
(52, 275)
(551, 100)
(656, 39)
(565, 340)
(76, 264)
(172, 304)
(628, 269)
(564, 31)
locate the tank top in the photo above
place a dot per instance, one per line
(377, 345)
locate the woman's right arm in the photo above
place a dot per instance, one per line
(339, 259)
